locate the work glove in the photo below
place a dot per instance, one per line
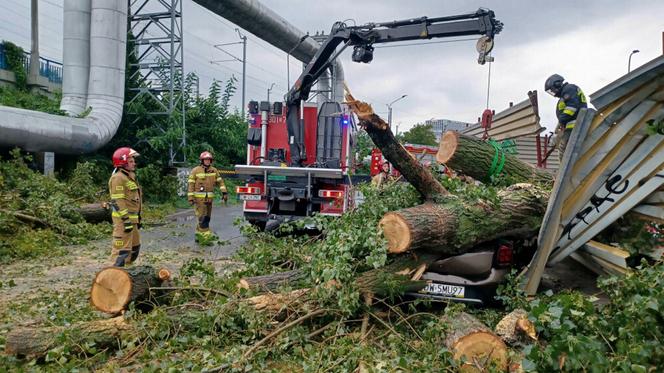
(224, 196)
(128, 226)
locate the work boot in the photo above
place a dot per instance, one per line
(134, 252)
(122, 258)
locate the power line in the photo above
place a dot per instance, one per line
(248, 63)
(231, 27)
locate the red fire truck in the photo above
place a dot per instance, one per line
(299, 154)
(278, 190)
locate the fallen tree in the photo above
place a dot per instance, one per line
(272, 281)
(485, 161)
(453, 226)
(95, 212)
(384, 139)
(35, 342)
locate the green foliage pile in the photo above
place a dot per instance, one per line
(208, 325)
(51, 209)
(577, 334)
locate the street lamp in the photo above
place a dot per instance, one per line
(389, 110)
(268, 92)
(629, 61)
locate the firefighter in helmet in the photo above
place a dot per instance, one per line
(126, 202)
(201, 184)
(571, 100)
(381, 178)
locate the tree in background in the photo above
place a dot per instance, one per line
(421, 134)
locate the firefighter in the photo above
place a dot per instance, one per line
(571, 100)
(202, 182)
(126, 202)
(381, 178)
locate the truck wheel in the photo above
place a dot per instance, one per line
(260, 225)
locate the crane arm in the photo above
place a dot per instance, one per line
(362, 38)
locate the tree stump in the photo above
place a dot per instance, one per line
(480, 160)
(35, 342)
(474, 343)
(452, 227)
(114, 288)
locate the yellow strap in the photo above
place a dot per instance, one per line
(204, 195)
(190, 193)
(119, 214)
(570, 125)
(117, 196)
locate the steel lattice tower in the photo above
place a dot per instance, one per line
(157, 56)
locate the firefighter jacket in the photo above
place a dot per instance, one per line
(202, 182)
(381, 178)
(571, 101)
(126, 195)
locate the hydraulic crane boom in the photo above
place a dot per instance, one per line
(363, 37)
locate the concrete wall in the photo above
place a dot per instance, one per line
(7, 79)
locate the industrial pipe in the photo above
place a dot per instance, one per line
(101, 82)
(261, 21)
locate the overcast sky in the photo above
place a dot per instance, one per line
(588, 42)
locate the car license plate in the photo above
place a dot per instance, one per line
(446, 290)
(250, 197)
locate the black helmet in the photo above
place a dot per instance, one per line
(553, 85)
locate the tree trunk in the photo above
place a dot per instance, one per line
(273, 281)
(480, 160)
(34, 342)
(453, 227)
(468, 339)
(382, 137)
(95, 213)
(399, 277)
(114, 288)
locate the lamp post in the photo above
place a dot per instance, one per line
(389, 110)
(629, 61)
(268, 92)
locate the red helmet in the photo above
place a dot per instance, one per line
(205, 155)
(122, 155)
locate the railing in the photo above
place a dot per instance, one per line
(49, 69)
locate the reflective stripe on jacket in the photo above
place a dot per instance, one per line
(126, 195)
(571, 101)
(202, 182)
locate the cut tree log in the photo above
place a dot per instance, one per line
(452, 227)
(273, 281)
(395, 153)
(35, 342)
(114, 288)
(473, 342)
(516, 329)
(482, 161)
(95, 212)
